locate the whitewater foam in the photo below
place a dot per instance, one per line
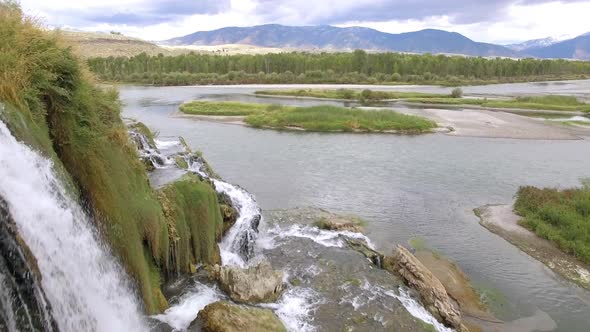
(295, 308)
(87, 289)
(180, 315)
(323, 237)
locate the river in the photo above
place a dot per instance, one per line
(403, 186)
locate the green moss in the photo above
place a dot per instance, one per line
(354, 281)
(180, 162)
(58, 111)
(426, 326)
(193, 214)
(418, 243)
(144, 130)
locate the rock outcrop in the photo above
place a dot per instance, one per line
(223, 316)
(253, 285)
(433, 294)
(228, 211)
(338, 223)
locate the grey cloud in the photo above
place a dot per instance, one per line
(159, 11)
(460, 11)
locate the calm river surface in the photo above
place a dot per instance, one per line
(404, 186)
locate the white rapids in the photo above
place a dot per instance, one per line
(86, 287)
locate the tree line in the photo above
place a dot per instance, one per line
(346, 67)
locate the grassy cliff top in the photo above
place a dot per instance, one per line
(53, 105)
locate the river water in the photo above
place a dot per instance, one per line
(403, 186)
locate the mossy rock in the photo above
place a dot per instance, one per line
(180, 162)
(194, 221)
(224, 316)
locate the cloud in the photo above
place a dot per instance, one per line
(481, 20)
(339, 11)
(130, 12)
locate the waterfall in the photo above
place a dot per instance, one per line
(237, 246)
(86, 288)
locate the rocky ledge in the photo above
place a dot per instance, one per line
(224, 316)
(256, 284)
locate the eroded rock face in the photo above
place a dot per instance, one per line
(228, 211)
(338, 223)
(253, 285)
(223, 316)
(433, 293)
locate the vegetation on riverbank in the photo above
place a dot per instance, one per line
(335, 119)
(317, 118)
(560, 216)
(227, 108)
(549, 102)
(554, 103)
(349, 94)
(54, 106)
(357, 67)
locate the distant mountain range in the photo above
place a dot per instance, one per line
(424, 41)
(535, 43)
(576, 48)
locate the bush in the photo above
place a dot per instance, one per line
(562, 217)
(457, 93)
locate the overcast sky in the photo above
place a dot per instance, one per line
(495, 21)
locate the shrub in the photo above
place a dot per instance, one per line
(457, 93)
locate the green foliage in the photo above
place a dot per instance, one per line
(364, 95)
(344, 67)
(318, 118)
(457, 93)
(229, 108)
(144, 130)
(562, 217)
(555, 103)
(53, 106)
(334, 119)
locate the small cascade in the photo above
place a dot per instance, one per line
(86, 288)
(237, 247)
(148, 152)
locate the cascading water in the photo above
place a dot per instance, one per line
(237, 246)
(149, 152)
(86, 288)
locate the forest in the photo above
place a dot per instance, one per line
(345, 67)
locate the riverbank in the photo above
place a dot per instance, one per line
(501, 220)
(551, 104)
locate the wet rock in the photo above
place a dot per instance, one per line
(228, 212)
(332, 222)
(253, 285)
(433, 294)
(24, 304)
(373, 256)
(223, 316)
(255, 222)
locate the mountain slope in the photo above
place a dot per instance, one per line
(92, 44)
(329, 37)
(535, 43)
(576, 48)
